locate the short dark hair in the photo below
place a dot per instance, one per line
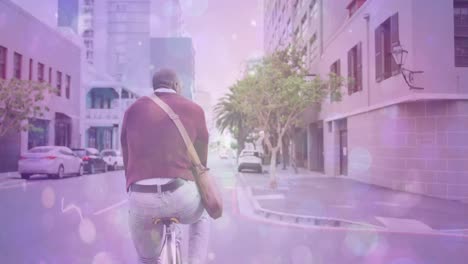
(165, 78)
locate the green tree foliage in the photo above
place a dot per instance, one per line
(19, 101)
(273, 99)
(229, 116)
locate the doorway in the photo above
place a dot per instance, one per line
(344, 152)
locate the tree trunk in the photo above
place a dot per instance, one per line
(273, 181)
(285, 152)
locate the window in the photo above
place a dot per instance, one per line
(39, 136)
(3, 62)
(120, 7)
(59, 83)
(386, 38)
(67, 86)
(89, 56)
(50, 75)
(296, 4)
(40, 72)
(17, 63)
(88, 44)
(303, 24)
(354, 6)
(313, 46)
(461, 33)
(30, 69)
(89, 33)
(312, 4)
(355, 69)
(335, 70)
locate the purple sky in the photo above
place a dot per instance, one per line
(225, 33)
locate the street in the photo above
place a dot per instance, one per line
(83, 220)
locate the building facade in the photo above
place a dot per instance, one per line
(80, 16)
(24, 56)
(128, 43)
(384, 130)
(115, 36)
(103, 105)
(166, 19)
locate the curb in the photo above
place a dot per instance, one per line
(305, 220)
(309, 221)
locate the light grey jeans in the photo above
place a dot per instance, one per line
(185, 204)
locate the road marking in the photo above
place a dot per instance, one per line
(111, 207)
(279, 188)
(387, 204)
(402, 224)
(71, 207)
(344, 205)
(269, 197)
(13, 184)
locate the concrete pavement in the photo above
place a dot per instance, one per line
(313, 199)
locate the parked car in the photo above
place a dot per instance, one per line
(223, 155)
(92, 160)
(54, 161)
(113, 159)
(250, 159)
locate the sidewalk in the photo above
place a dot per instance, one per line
(9, 175)
(308, 196)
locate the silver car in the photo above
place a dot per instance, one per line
(54, 161)
(250, 160)
(113, 159)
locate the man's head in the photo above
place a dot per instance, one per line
(166, 78)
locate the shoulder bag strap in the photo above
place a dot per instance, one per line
(183, 132)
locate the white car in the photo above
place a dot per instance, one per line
(113, 159)
(250, 159)
(223, 155)
(54, 161)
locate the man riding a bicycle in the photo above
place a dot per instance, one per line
(159, 179)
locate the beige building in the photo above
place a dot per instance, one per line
(26, 56)
(408, 134)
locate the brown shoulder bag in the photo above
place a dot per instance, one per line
(209, 192)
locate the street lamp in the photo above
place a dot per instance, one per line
(399, 55)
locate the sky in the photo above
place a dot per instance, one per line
(225, 34)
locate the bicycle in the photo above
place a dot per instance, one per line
(170, 249)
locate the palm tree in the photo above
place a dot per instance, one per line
(229, 117)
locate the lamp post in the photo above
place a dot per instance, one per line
(400, 55)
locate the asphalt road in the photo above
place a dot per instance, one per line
(84, 220)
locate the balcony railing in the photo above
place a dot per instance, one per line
(113, 114)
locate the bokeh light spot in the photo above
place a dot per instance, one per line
(87, 231)
(48, 197)
(211, 256)
(302, 254)
(103, 258)
(360, 160)
(362, 243)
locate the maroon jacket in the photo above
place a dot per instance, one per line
(151, 144)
